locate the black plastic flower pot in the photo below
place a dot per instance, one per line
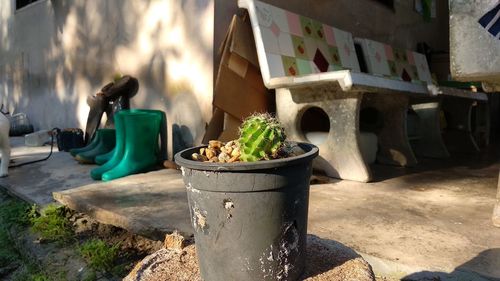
(249, 218)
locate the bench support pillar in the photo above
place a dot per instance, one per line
(393, 145)
(340, 154)
(430, 144)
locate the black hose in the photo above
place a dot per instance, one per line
(40, 160)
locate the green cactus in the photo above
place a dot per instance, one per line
(261, 137)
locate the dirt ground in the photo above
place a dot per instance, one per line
(26, 257)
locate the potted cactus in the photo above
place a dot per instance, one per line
(248, 202)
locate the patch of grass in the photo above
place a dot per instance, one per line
(99, 255)
(8, 253)
(31, 273)
(52, 224)
(14, 212)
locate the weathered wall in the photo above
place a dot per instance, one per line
(364, 18)
(55, 53)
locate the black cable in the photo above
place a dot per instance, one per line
(40, 160)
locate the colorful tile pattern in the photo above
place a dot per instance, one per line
(303, 45)
(394, 63)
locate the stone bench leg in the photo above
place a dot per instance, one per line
(430, 144)
(339, 155)
(458, 135)
(393, 145)
(496, 209)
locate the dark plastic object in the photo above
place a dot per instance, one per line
(138, 150)
(249, 219)
(106, 143)
(67, 140)
(21, 130)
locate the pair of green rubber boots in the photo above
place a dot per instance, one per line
(136, 146)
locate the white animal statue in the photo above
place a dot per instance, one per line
(4, 145)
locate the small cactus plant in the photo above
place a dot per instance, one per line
(261, 137)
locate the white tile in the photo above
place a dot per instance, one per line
(275, 65)
(279, 17)
(270, 41)
(286, 45)
(422, 67)
(264, 13)
(347, 53)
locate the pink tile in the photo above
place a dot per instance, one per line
(294, 24)
(329, 35)
(411, 59)
(388, 52)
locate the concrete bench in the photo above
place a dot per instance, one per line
(384, 60)
(314, 67)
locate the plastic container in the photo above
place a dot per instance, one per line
(37, 138)
(249, 218)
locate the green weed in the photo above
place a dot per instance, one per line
(52, 224)
(99, 255)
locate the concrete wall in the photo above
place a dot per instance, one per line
(55, 53)
(364, 18)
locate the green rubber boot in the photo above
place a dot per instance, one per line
(103, 158)
(105, 145)
(117, 156)
(90, 146)
(141, 145)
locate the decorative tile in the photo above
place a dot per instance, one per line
(392, 68)
(264, 13)
(422, 67)
(320, 61)
(318, 31)
(294, 24)
(388, 52)
(311, 46)
(299, 47)
(275, 64)
(286, 45)
(275, 29)
(329, 36)
(280, 19)
(409, 55)
(346, 50)
(335, 57)
(307, 28)
(290, 66)
(325, 50)
(271, 41)
(304, 67)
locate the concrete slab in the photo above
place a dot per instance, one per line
(429, 222)
(150, 204)
(35, 183)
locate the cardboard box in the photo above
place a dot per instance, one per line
(239, 89)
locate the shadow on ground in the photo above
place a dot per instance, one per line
(488, 259)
